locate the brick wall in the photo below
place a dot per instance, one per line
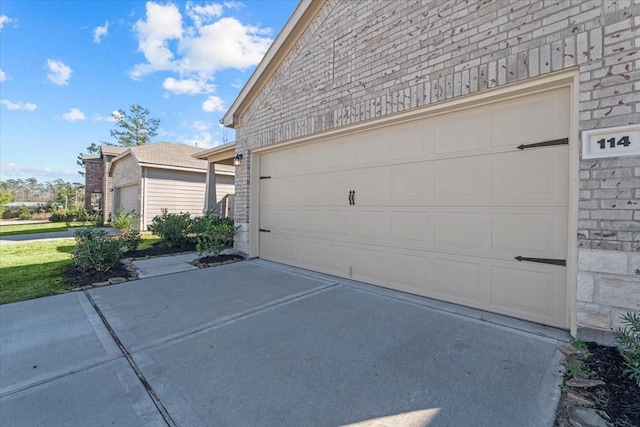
(361, 60)
(94, 181)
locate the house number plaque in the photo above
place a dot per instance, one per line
(611, 142)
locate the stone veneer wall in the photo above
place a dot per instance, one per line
(361, 60)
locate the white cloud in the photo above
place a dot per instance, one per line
(163, 23)
(206, 44)
(233, 5)
(3, 76)
(226, 43)
(213, 104)
(73, 115)
(187, 86)
(100, 118)
(203, 14)
(100, 32)
(18, 105)
(237, 83)
(59, 73)
(4, 19)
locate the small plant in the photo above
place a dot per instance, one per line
(96, 249)
(130, 240)
(24, 213)
(628, 336)
(126, 221)
(173, 229)
(213, 234)
(581, 349)
(575, 368)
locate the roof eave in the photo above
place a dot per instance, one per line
(219, 151)
(231, 118)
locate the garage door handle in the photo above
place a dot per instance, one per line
(562, 141)
(351, 199)
(542, 260)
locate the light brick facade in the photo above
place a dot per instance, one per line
(362, 60)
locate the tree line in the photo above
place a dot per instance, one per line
(30, 190)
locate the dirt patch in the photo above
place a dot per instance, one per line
(617, 399)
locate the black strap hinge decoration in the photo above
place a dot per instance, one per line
(563, 141)
(263, 230)
(265, 177)
(543, 260)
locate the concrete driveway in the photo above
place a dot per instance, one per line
(257, 344)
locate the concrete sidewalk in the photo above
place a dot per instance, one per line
(252, 343)
(35, 237)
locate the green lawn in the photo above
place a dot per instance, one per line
(34, 270)
(12, 230)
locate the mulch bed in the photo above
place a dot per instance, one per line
(85, 278)
(620, 396)
(218, 259)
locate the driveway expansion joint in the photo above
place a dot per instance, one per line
(150, 391)
(228, 320)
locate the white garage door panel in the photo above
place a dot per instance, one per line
(475, 135)
(128, 198)
(442, 207)
(537, 292)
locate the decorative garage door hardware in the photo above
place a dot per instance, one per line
(265, 177)
(543, 260)
(563, 141)
(352, 197)
(264, 230)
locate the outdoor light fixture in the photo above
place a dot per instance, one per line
(237, 160)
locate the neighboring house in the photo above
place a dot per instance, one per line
(435, 148)
(148, 178)
(97, 181)
(219, 194)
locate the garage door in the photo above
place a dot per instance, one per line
(128, 198)
(439, 207)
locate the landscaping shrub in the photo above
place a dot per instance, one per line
(57, 216)
(173, 229)
(628, 336)
(126, 221)
(96, 249)
(213, 234)
(130, 240)
(24, 213)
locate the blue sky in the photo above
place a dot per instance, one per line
(65, 66)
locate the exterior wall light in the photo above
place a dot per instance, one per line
(237, 160)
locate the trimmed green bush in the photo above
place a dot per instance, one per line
(96, 249)
(213, 234)
(130, 240)
(173, 229)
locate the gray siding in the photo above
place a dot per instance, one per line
(175, 191)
